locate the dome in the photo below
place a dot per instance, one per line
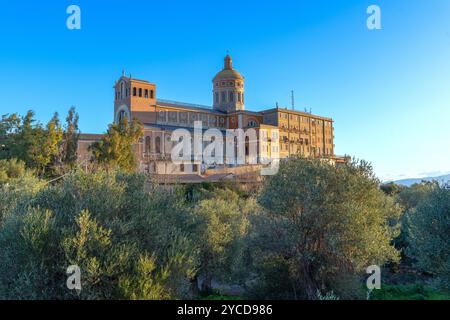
(228, 73)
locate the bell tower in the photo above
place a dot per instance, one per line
(228, 88)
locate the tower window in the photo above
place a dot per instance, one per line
(239, 96)
(151, 94)
(224, 97)
(231, 99)
(134, 91)
(146, 93)
(217, 97)
(140, 92)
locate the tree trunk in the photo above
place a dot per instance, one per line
(207, 284)
(194, 287)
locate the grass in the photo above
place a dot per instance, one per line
(220, 297)
(409, 292)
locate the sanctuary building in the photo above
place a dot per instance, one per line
(280, 131)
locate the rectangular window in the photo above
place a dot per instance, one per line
(151, 94)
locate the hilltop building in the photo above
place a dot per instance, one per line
(281, 131)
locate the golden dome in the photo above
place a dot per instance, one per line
(228, 73)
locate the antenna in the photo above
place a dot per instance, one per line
(276, 103)
(292, 99)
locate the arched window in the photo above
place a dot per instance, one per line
(121, 91)
(217, 97)
(134, 91)
(151, 94)
(148, 141)
(239, 96)
(231, 97)
(122, 115)
(252, 123)
(158, 144)
(146, 93)
(224, 97)
(140, 92)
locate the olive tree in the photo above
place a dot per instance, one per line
(322, 225)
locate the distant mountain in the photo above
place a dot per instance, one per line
(410, 182)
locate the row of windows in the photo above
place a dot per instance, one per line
(229, 96)
(230, 83)
(123, 92)
(143, 92)
(190, 117)
(304, 119)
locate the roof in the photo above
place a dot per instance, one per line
(184, 105)
(228, 74)
(295, 112)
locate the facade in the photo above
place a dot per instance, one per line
(280, 131)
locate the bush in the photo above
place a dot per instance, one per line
(128, 243)
(428, 230)
(322, 226)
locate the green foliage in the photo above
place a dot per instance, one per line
(42, 148)
(409, 198)
(428, 235)
(323, 226)
(310, 234)
(391, 188)
(70, 138)
(222, 226)
(115, 149)
(17, 186)
(408, 292)
(127, 242)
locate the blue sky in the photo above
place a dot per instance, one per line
(387, 90)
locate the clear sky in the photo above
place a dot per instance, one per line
(387, 90)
